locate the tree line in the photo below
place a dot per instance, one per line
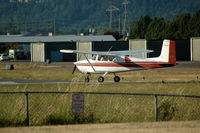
(181, 27)
(69, 16)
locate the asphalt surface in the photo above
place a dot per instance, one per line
(23, 82)
(185, 66)
(35, 82)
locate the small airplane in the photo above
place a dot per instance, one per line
(120, 61)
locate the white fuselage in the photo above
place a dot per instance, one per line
(95, 66)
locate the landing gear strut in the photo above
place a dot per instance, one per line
(87, 79)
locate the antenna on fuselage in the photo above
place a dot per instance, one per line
(109, 49)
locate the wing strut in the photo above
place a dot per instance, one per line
(90, 63)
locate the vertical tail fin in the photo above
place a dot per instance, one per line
(168, 52)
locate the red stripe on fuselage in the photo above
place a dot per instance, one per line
(128, 64)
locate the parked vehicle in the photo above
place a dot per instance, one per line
(17, 54)
(3, 57)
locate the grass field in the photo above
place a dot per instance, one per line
(144, 127)
(56, 109)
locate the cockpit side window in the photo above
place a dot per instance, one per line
(104, 58)
(107, 58)
(115, 59)
(99, 57)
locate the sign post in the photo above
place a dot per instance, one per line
(77, 104)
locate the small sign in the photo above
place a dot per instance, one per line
(77, 104)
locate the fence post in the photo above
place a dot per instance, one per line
(156, 111)
(27, 109)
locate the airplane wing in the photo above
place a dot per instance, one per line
(111, 53)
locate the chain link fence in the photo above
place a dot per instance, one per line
(51, 108)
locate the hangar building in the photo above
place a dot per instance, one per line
(42, 48)
(48, 47)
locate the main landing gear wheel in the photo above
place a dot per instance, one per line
(116, 78)
(100, 79)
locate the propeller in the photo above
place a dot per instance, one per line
(74, 69)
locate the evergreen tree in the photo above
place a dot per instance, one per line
(181, 27)
(194, 25)
(157, 29)
(140, 27)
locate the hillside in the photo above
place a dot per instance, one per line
(79, 14)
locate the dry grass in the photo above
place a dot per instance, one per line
(158, 127)
(56, 109)
(53, 109)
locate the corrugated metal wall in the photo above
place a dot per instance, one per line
(57, 47)
(183, 50)
(154, 45)
(112, 46)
